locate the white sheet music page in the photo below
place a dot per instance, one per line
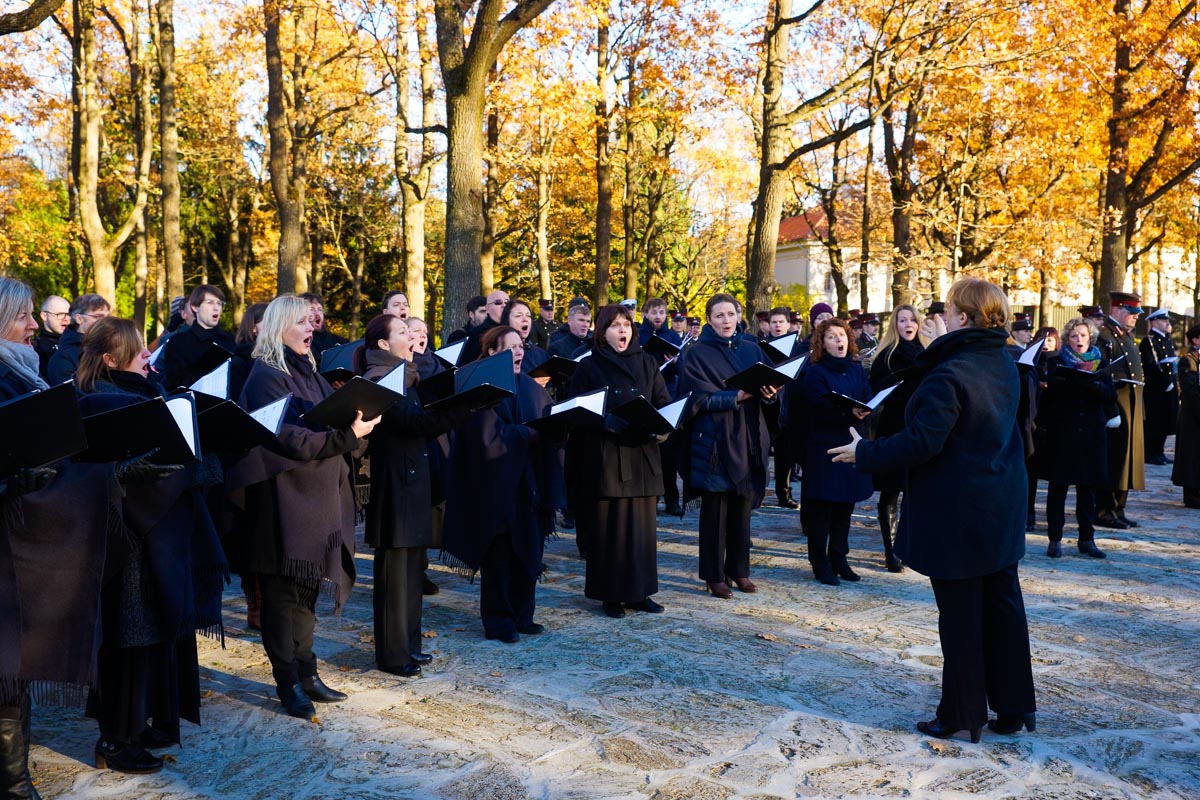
(158, 353)
(673, 411)
(215, 383)
(451, 352)
(183, 410)
(785, 343)
(394, 380)
(791, 368)
(592, 401)
(1030, 356)
(270, 416)
(875, 401)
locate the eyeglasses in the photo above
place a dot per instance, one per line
(96, 315)
(59, 314)
(212, 301)
(498, 303)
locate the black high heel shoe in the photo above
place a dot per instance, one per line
(1012, 723)
(936, 729)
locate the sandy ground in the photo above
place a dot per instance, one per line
(799, 690)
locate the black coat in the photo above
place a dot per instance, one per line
(323, 340)
(964, 496)
(399, 513)
(504, 478)
(239, 368)
(612, 460)
(828, 426)
(46, 345)
(12, 385)
(1186, 471)
(177, 365)
(65, 361)
(564, 343)
(889, 418)
(726, 442)
(1073, 445)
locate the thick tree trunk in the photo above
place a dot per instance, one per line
(464, 206)
(543, 224)
(291, 233)
(604, 189)
(1113, 252)
(487, 248)
(414, 254)
(168, 135)
(768, 203)
(141, 270)
(356, 304)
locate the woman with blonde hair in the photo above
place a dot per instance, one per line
(296, 499)
(895, 362)
(964, 523)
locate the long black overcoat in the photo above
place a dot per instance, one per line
(1073, 446)
(964, 494)
(1186, 471)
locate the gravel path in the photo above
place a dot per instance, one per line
(799, 690)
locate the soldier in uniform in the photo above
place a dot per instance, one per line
(1162, 402)
(544, 325)
(1126, 468)
(1022, 329)
(868, 339)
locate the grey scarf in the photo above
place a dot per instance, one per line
(23, 360)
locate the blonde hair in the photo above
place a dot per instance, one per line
(1077, 322)
(891, 337)
(282, 313)
(982, 301)
(14, 297)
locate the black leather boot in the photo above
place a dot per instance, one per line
(295, 701)
(15, 782)
(132, 759)
(318, 692)
(887, 530)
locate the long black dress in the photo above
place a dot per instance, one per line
(161, 587)
(505, 484)
(896, 364)
(1186, 472)
(618, 477)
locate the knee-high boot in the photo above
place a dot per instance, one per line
(15, 781)
(887, 531)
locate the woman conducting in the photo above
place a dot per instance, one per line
(505, 485)
(618, 470)
(399, 513)
(725, 463)
(296, 501)
(963, 521)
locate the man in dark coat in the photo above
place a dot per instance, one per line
(323, 338)
(1126, 468)
(178, 364)
(575, 334)
(476, 314)
(1162, 402)
(868, 339)
(85, 311)
(496, 302)
(56, 316)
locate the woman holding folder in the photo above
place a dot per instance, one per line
(829, 491)
(617, 470)
(161, 586)
(399, 512)
(54, 523)
(296, 501)
(725, 463)
(505, 484)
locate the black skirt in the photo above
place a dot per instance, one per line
(621, 535)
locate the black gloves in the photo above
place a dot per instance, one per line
(26, 481)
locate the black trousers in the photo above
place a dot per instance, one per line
(669, 471)
(506, 590)
(1031, 496)
(1111, 503)
(985, 647)
(288, 620)
(724, 536)
(785, 468)
(397, 601)
(1191, 498)
(827, 527)
(1085, 511)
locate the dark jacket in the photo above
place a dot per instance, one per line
(1073, 446)
(12, 385)
(504, 478)
(296, 497)
(611, 460)
(239, 368)
(323, 340)
(178, 362)
(399, 513)
(1186, 471)
(828, 426)
(472, 349)
(65, 361)
(964, 497)
(897, 364)
(46, 344)
(564, 343)
(727, 442)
